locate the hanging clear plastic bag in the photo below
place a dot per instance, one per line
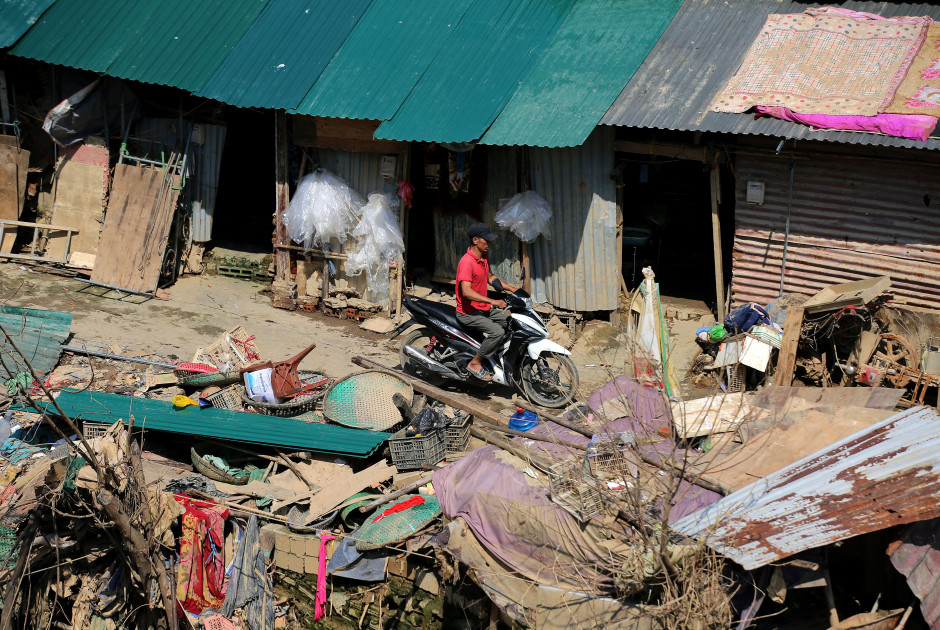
(324, 207)
(380, 242)
(526, 215)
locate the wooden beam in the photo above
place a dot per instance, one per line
(281, 256)
(343, 134)
(700, 153)
(716, 240)
(786, 360)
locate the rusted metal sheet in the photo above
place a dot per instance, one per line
(917, 556)
(852, 218)
(884, 475)
(577, 269)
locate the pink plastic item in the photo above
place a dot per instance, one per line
(320, 608)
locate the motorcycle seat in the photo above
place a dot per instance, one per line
(443, 312)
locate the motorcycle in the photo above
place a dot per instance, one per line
(528, 360)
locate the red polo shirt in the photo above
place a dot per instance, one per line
(477, 272)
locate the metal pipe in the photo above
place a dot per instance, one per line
(148, 294)
(786, 234)
(117, 357)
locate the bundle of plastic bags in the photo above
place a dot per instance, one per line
(526, 215)
(323, 208)
(380, 242)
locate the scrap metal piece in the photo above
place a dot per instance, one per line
(881, 476)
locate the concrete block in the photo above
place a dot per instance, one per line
(281, 558)
(311, 565)
(312, 547)
(295, 563)
(298, 544)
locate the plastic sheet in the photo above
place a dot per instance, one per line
(526, 215)
(380, 243)
(324, 207)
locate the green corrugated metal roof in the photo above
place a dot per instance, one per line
(16, 16)
(183, 42)
(174, 42)
(477, 70)
(237, 426)
(38, 335)
(383, 58)
(283, 52)
(582, 71)
(86, 34)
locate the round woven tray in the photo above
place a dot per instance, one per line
(399, 526)
(299, 405)
(296, 518)
(364, 400)
(214, 473)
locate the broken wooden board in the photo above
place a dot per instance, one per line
(782, 445)
(330, 497)
(14, 165)
(136, 229)
(723, 413)
(778, 397)
(838, 296)
(85, 240)
(786, 359)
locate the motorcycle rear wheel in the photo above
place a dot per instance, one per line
(551, 380)
(419, 338)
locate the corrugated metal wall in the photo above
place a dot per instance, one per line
(450, 230)
(853, 217)
(577, 269)
(362, 171)
(202, 184)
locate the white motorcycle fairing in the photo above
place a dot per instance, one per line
(545, 345)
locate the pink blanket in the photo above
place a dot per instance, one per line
(914, 126)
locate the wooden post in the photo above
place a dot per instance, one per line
(325, 289)
(786, 359)
(716, 238)
(281, 256)
(621, 284)
(526, 269)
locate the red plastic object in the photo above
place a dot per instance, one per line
(200, 368)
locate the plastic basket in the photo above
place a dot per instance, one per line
(457, 435)
(228, 398)
(736, 377)
(413, 453)
(235, 347)
(92, 430)
(574, 490)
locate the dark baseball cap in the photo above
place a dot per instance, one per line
(481, 230)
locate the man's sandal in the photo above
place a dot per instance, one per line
(481, 374)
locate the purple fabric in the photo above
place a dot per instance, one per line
(913, 126)
(514, 518)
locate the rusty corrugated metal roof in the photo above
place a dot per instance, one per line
(700, 51)
(917, 556)
(882, 476)
(853, 217)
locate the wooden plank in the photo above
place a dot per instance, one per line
(88, 226)
(136, 229)
(786, 360)
(327, 499)
(342, 134)
(14, 165)
(716, 244)
(281, 256)
(856, 293)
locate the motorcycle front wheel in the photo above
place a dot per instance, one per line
(551, 380)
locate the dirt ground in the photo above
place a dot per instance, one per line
(201, 308)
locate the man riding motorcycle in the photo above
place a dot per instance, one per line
(475, 311)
